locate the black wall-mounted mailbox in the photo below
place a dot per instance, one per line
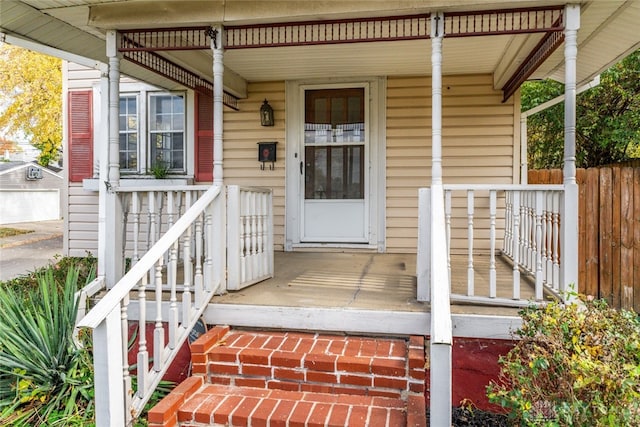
(267, 153)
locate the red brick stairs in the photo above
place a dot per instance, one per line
(285, 379)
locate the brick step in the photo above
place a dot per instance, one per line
(261, 378)
(311, 362)
(195, 403)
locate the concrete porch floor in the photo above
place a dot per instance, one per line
(366, 281)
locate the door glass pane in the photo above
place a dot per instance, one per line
(333, 135)
(334, 172)
(334, 116)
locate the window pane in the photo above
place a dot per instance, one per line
(166, 137)
(128, 129)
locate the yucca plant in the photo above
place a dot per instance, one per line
(45, 379)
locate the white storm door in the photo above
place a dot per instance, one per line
(334, 166)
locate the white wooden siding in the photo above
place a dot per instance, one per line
(477, 146)
(82, 230)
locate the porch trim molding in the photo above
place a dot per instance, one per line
(393, 28)
(349, 320)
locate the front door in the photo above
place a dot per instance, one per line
(333, 166)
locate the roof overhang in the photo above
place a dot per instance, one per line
(608, 32)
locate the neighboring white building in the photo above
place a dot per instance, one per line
(29, 192)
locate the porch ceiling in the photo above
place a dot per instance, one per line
(608, 32)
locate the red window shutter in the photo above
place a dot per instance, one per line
(204, 137)
(80, 135)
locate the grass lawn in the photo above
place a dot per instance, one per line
(8, 232)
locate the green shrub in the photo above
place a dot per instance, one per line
(85, 266)
(575, 365)
(45, 379)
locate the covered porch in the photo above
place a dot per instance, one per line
(365, 293)
(481, 250)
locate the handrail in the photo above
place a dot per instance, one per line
(203, 260)
(128, 282)
(504, 187)
(165, 188)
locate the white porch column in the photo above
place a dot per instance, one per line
(218, 106)
(103, 165)
(113, 211)
(437, 28)
(219, 238)
(569, 219)
(441, 334)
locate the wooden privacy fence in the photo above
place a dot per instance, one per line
(609, 231)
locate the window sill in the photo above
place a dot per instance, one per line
(92, 184)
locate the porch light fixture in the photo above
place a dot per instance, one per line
(266, 114)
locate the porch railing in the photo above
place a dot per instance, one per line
(196, 238)
(249, 236)
(519, 222)
(148, 212)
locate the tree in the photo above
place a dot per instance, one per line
(607, 122)
(31, 99)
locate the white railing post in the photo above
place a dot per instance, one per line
(423, 269)
(569, 217)
(233, 236)
(109, 384)
(217, 242)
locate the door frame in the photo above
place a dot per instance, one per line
(376, 106)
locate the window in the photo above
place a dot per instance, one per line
(160, 142)
(166, 131)
(129, 133)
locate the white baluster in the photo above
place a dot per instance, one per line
(447, 216)
(136, 227)
(208, 252)
(244, 250)
(151, 219)
(492, 243)
(538, 245)
(516, 244)
(254, 236)
(524, 223)
(197, 279)
(507, 243)
(470, 274)
(549, 242)
(266, 231)
(187, 268)
(143, 353)
(531, 225)
(173, 300)
(259, 231)
(158, 332)
(124, 323)
(556, 238)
